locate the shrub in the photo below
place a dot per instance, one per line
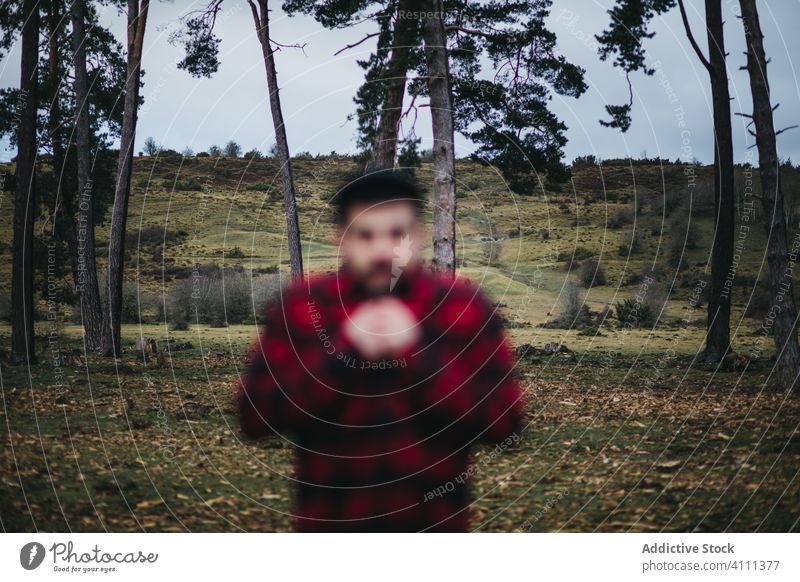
(138, 306)
(682, 226)
(235, 253)
(492, 250)
(591, 273)
(578, 253)
(631, 243)
(571, 302)
(189, 185)
(633, 313)
(151, 148)
(622, 217)
(683, 236)
(219, 297)
(232, 149)
(573, 311)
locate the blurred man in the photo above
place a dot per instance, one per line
(382, 374)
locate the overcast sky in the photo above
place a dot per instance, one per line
(317, 88)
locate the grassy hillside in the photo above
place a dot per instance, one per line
(523, 248)
(626, 432)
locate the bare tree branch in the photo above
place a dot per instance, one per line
(693, 42)
(349, 46)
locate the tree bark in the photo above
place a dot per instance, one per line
(137, 20)
(261, 20)
(88, 290)
(64, 205)
(719, 302)
(385, 148)
(787, 361)
(444, 183)
(22, 333)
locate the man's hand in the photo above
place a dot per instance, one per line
(382, 327)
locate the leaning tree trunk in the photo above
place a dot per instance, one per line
(444, 183)
(787, 361)
(282, 144)
(719, 301)
(88, 290)
(22, 335)
(385, 149)
(137, 20)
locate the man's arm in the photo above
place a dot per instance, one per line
(294, 369)
(474, 389)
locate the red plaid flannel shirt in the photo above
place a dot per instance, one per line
(382, 445)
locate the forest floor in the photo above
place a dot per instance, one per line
(629, 442)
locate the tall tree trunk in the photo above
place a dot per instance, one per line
(22, 334)
(64, 206)
(289, 193)
(88, 290)
(385, 148)
(719, 302)
(444, 182)
(137, 20)
(787, 363)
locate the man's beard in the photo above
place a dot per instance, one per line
(377, 280)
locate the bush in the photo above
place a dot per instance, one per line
(574, 312)
(137, 306)
(232, 149)
(622, 217)
(682, 227)
(492, 249)
(235, 253)
(574, 255)
(190, 185)
(591, 273)
(571, 302)
(683, 236)
(219, 298)
(634, 313)
(652, 226)
(631, 243)
(151, 148)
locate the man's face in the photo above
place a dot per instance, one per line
(378, 238)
